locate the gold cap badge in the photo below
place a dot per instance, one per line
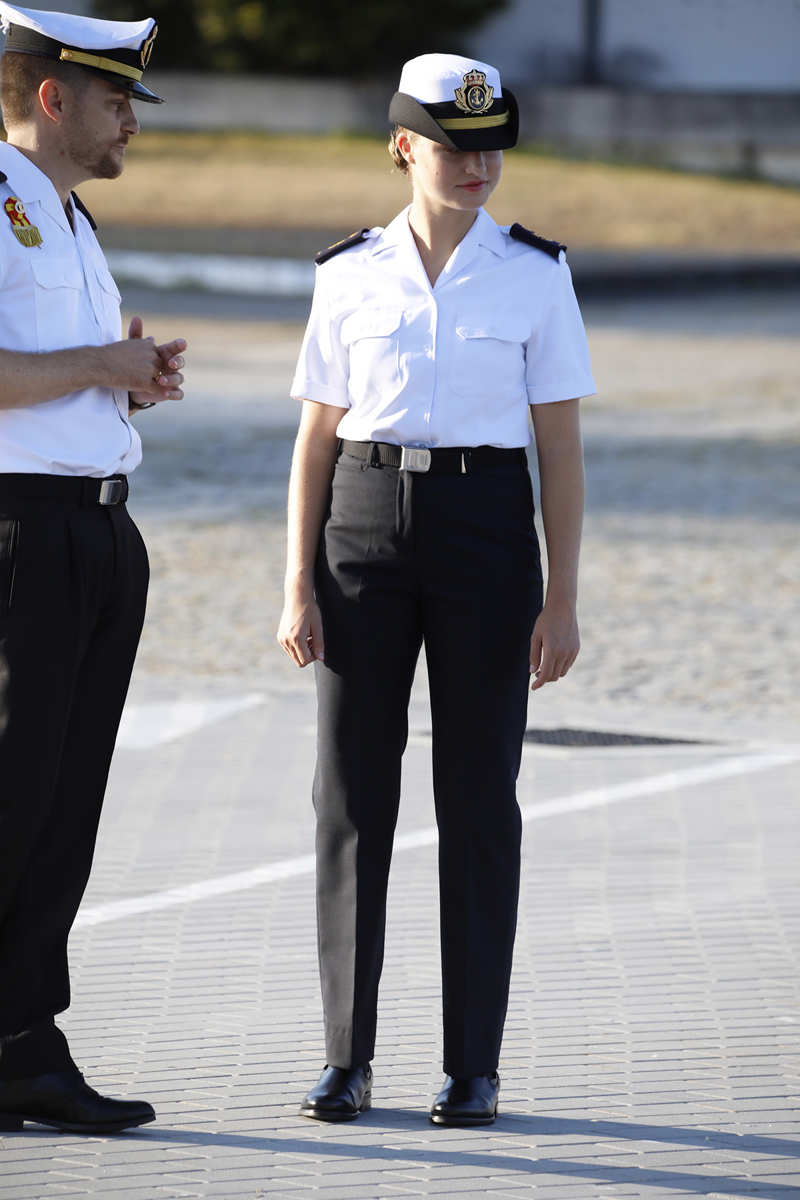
(147, 47)
(474, 97)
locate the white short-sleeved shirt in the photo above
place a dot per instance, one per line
(54, 297)
(456, 364)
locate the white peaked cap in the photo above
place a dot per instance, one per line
(86, 33)
(434, 78)
(117, 50)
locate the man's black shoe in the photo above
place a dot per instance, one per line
(341, 1094)
(467, 1101)
(65, 1101)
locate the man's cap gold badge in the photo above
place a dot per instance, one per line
(147, 47)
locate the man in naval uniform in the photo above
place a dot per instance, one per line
(73, 567)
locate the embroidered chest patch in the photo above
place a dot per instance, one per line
(23, 231)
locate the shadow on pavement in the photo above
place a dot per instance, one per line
(523, 1125)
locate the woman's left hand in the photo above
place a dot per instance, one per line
(554, 645)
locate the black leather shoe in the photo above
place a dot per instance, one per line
(65, 1101)
(341, 1094)
(467, 1101)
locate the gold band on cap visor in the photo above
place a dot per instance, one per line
(472, 122)
(102, 64)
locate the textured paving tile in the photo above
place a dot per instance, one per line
(653, 1036)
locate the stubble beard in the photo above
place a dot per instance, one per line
(107, 168)
(93, 162)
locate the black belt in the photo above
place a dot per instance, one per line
(68, 489)
(442, 460)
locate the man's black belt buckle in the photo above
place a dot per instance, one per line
(113, 491)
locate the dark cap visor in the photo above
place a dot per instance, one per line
(497, 129)
(137, 90)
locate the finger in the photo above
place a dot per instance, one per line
(171, 362)
(317, 640)
(545, 672)
(301, 644)
(536, 652)
(171, 349)
(290, 648)
(136, 328)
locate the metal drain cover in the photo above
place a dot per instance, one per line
(596, 737)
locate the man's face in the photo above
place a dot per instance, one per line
(98, 127)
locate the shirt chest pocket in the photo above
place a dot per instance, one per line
(371, 337)
(106, 301)
(58, 285)
(489, 355)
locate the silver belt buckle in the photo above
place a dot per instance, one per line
(110, 491)
(413, 458)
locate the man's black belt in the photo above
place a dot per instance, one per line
(78, 490)
(442, 460)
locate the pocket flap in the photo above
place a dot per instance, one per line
(57, 272)
(373, 322)
(502, 329)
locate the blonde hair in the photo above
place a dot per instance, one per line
(394, 150)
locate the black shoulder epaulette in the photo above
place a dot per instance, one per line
(81, 207)
(338, 247)
(3, 177)
(521, 234)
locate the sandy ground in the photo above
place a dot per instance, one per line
(691, 570)
(291, 184)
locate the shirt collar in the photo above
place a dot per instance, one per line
(489, 234)
(397, 233)
(31, 184)
(483, 232)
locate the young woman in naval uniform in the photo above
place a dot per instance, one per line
(430, 346)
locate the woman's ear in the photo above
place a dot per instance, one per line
(404, 145)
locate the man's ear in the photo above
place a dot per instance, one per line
(51, 99)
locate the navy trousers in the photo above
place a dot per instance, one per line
(73, 584)
(451, 562)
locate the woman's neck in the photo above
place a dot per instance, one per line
(437, 232)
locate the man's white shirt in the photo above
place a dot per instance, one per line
(57, 296)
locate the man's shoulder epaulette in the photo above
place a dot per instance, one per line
(81, 207)
(337, 247)
(521, 234)
(3, 177)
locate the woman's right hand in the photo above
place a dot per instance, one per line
(300, 629)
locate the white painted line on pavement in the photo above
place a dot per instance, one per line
(146, 725)
(288, 868)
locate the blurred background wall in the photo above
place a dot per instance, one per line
(695, 45)
(710, 85)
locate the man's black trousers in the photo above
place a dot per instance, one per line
(450, 561)
(73, 585)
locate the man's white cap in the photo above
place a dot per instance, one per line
(118, 50)
(456, 101)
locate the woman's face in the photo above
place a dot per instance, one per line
(461, 179)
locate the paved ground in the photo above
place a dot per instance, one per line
(653, 1040)
(652, 1043)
